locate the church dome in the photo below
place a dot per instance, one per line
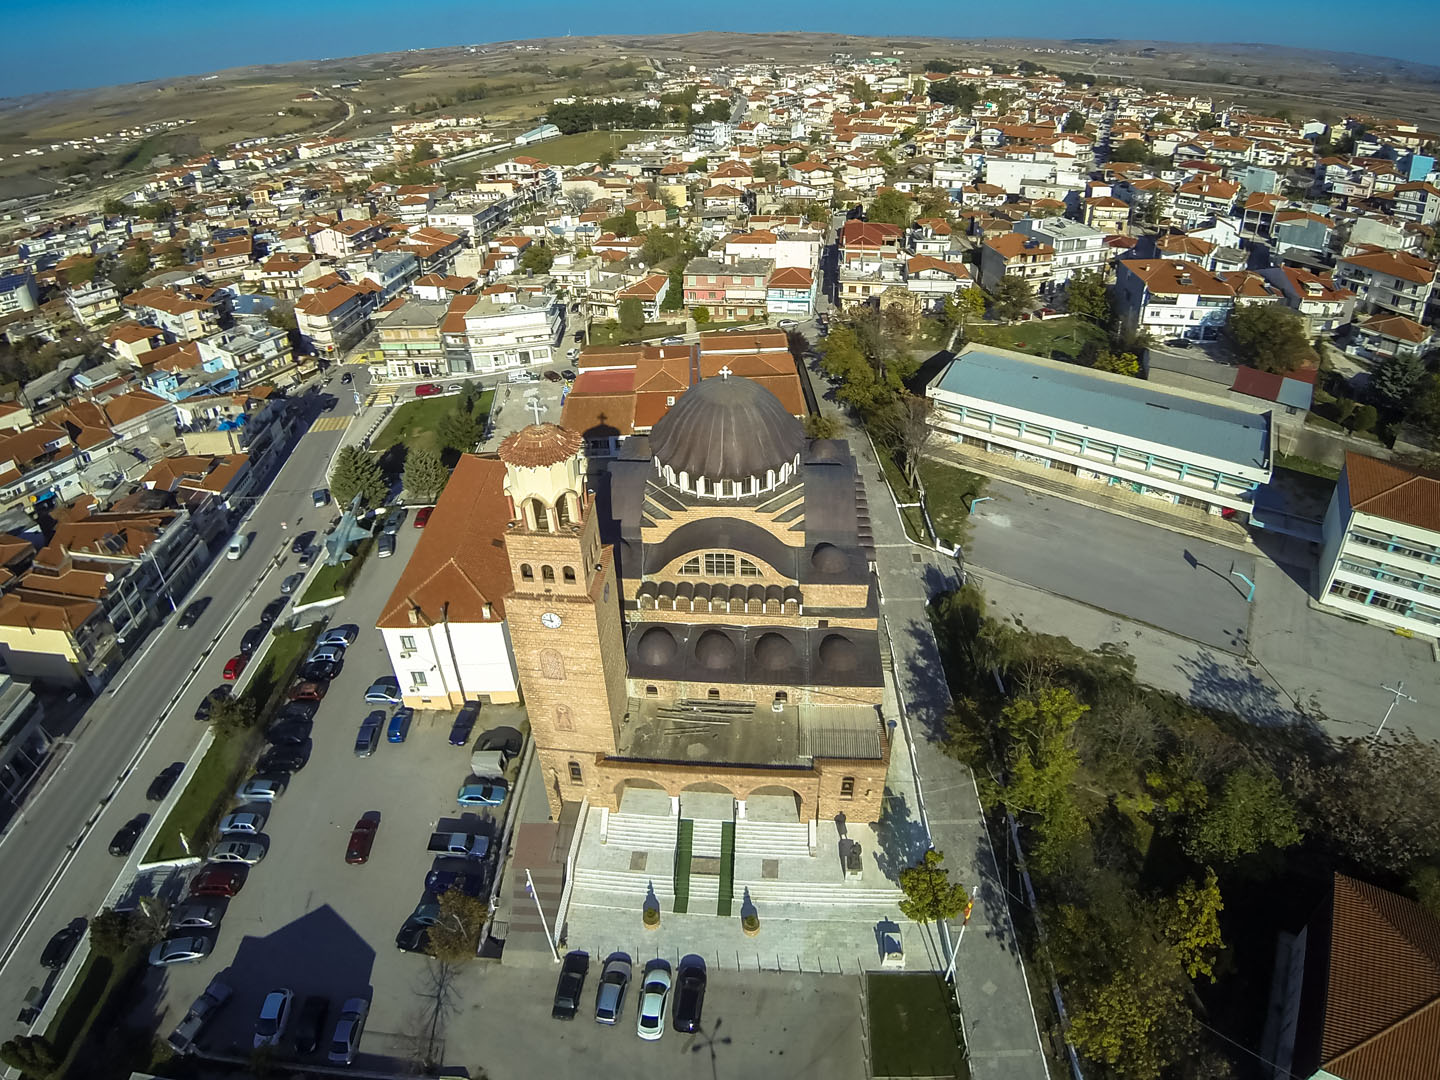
(773, 652)
(726, 428)
(540, 446)
(838, 653)
(657, 647)
(715, 650)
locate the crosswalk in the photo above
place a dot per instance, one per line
(331, 423)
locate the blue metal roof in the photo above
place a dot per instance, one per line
(1083, 400)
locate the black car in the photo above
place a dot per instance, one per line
(300, 712)
(413, 937)
(571, 983)
(311, 1025)
(272, 611)
(689, 997)
(191, 615)
(302, 541)
(161, 785)
(220, 693)
(464, 723)
(320, 670)
(346, 379)
(58, 948)
(282, 759)
(306, 558)
(466, 881)
(124, 841)
(505, 739)
(288, 733)
(251, 641)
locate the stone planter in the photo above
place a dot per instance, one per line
(650, 918)
(750, 925)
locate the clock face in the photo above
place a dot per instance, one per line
(550, 619)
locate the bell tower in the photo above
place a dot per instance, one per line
(563, 615)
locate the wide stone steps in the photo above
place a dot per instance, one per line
(605, 887)
(628, 883)
(829, 894)
(642, 832)
(705, 842)
(771, 840)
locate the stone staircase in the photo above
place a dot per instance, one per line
(628, 886)
(819, 894)
(771, 840)
(605, 888)
(643, 832)
(705, 843)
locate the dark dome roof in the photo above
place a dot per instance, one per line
(773, 652)
(726, 429)
(839, 653)
(828, 559)
(714, 650)
(657, 646)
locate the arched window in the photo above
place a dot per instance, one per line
(569, 574)
(847, 787)
(713, 694)
(769, 479)
(526, 573)
(547, 574)
(575, 774)
(748, 569)
(538, 515)
(781, 697)
(651, 691)
(562, 510)
(691, 566)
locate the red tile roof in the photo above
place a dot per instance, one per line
(1392, 491)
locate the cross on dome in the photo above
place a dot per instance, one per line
(725, 372)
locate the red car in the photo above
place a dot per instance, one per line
(425, 389)
(308, 691)
(234, 666)
(361, 840)
(218, 879)
(422, 516)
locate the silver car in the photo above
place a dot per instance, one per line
(610, 997)
(248, 852)
(243, 823)
(196, 915)
(328, 654)
(348, 1031)
(179, 950)
(260, 789)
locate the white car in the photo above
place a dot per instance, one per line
(248, 852)
(242, 823)
(338, 637)
(260, 789)
(348, 1031)
(179, 950)
(274, 1017)
(332, 654)
(654, 993)
(787, 324)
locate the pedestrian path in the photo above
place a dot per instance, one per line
(331, 423)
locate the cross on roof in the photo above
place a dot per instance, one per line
(535, 407)
(725, 372)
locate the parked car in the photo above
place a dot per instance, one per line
(505, 740)
(610, 995)
(180, 950)
(552, 376)
(191, 615)
(124, 840)
(310, 1024)
(457, 874)
(569, 373)
(332, 653)
(672, 340)
(298, 712)
(61, 944)
(481, 793)
(422, 516)
(164, 781)
(654, 994)
(242, 823)
(202, 1010)
(306, 558)
(394, 519)
(454, 388)
(308, 690)
(251, 641)
(386, 546)
(261, 789)
(426, 389)
(362, 839)
(220, 693)
(321, 671)
(218, 880)
(291, 583)
(399, 725)
(282, 760)
(464, 723)
(572, 354)
(196, 915)
(569, 986)
(368, 736)
(274, 1017)
(321, 496)
(348, 1031)
(234, 666)
(787, 324)
(342, 636)
(271, 611)
(689, 997)
(414, 935)
(384, 691)
(288, 733)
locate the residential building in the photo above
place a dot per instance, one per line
(1077, 248)
(933, 280)
(1171, 298)
(92, 304)
(650, 291)
(344, 238)
(1015, 254)
(17, 293)
(332, 321)
(729, 291)
(1393, 281)
(253, 349)
(1382, 336)
(481, 334)
(1417, 202)
(182, 317)
(1102, 428)
(1315, 296)
(790, 291)
(410, 340)
(1381, 554)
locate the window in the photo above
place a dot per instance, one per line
(781, 697)
(692, 566)
(547, 574)
(526, 574)
(417, 678)
(713, 694)
(569, 575)
(562, 510)
(651, 691)
(719, 564)
(575, 774)
(748, 569)
(407, 643)
(847, 787)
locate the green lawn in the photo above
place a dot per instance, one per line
(1058, 339)
(912, 1027)
(1295, 463)
(335, 580)
(564, 150)
(949, 491)
(414, 423)
(602, 334)
(98, 1000)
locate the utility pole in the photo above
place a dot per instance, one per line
(1399, 691)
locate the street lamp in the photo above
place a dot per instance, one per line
(1399, 691)
(978, 500)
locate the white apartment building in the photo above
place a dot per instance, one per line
(1103, 428)
(1078, 247)
(1381, 553)
(483, 335)
(1170, 298)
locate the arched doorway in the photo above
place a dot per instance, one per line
(639, 795)
(775, 802)
(707, 801)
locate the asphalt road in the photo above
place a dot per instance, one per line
(1136, 570)
(75, 801)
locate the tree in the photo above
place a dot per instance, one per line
(948, 92)
(621, 224)
(233, 714)
(282, 316)
(358, 473)
(459, 431)
(929, 894)
(1395, 381)
(1086, 295)
(114, 208)
(1190, 922)
(1074, 123)
(892, 207)
(1424, 409)
(537, 260)
(632, 315)
(701, 315)
(81, 271)
(819, 426)
(1124, 363)
(1012, 298)
(1270, 337)
(700, 165)
(1364, 419)
(425, 474)
(456, 936)
(963, 305)
(1132, 150)
(113, 933)
(906, 426)
(1250, 812)
(1040, 762)
(31, 1054)
(606, 158)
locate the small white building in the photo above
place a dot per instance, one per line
(1078, 247)
(1381, 553)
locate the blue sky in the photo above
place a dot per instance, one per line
(61, 44)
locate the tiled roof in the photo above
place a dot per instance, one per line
(1393, 491)
(539, 446)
